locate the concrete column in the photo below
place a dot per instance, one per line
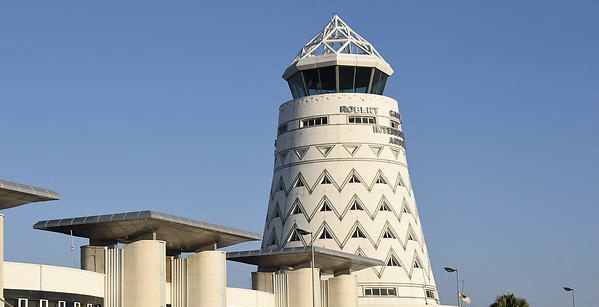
(143, 274)
(342, 291)
(299, 284)
(92, 258)
(207, 279)
(263, 281)
(2, 258)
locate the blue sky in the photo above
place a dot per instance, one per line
(172, 106)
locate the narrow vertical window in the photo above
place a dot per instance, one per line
(362, 79)
(346, 79)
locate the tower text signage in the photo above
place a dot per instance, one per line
(387, 130)
(359, 110)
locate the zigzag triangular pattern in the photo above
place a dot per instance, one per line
(273, 240)
(352, 149)
(296, 208)
(324, 200)
(301, 152)
(325, 150)
(283, 156)
(352, 230)
(395, 153)
(324, 227)
(293, 234)
(299, 181)
(376, 149)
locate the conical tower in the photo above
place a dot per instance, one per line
(340, 169)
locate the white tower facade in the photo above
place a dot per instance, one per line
(340, 169)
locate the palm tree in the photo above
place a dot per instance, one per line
(510, 300)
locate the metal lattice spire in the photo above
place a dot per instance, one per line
(336, 38)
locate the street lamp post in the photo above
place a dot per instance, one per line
(451, 270)
(568, 289)
(303, 233)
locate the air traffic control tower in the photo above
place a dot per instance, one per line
(341, 173)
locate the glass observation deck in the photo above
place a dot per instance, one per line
(337, 79)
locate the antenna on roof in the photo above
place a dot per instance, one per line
(72, 249)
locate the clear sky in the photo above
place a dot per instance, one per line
(172, 106)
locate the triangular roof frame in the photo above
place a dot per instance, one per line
(337, 44)
(337, 37)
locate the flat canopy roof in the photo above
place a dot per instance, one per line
(327, 260)
(16, 194)
(180, 234)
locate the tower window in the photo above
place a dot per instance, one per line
(327, 79)
(394, 124)
(380, 292)
(388, 234)
(316, 121)
(294, 237)
(362, 79)
(346, 79)
(356, 206)
(325, 234)
(312, 79)
(358, 233)
(362, 120)
(380, 179)
(354, 179)
(297, 210)
(379, 79)
(299, 183)
(430, 294)
(326, 207)
(272, 240)
(342, 79)
(282, 129)
(393, 261)
(384, 207)
(296, 85)
(276, 213)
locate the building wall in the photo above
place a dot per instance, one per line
(36, 281)
(343, 151)
(237, 297)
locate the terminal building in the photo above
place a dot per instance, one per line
(342, 227)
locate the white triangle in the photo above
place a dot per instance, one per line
(352, 149)
(283, 155)
(325, 150)
(301, 152)
(376, 149)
